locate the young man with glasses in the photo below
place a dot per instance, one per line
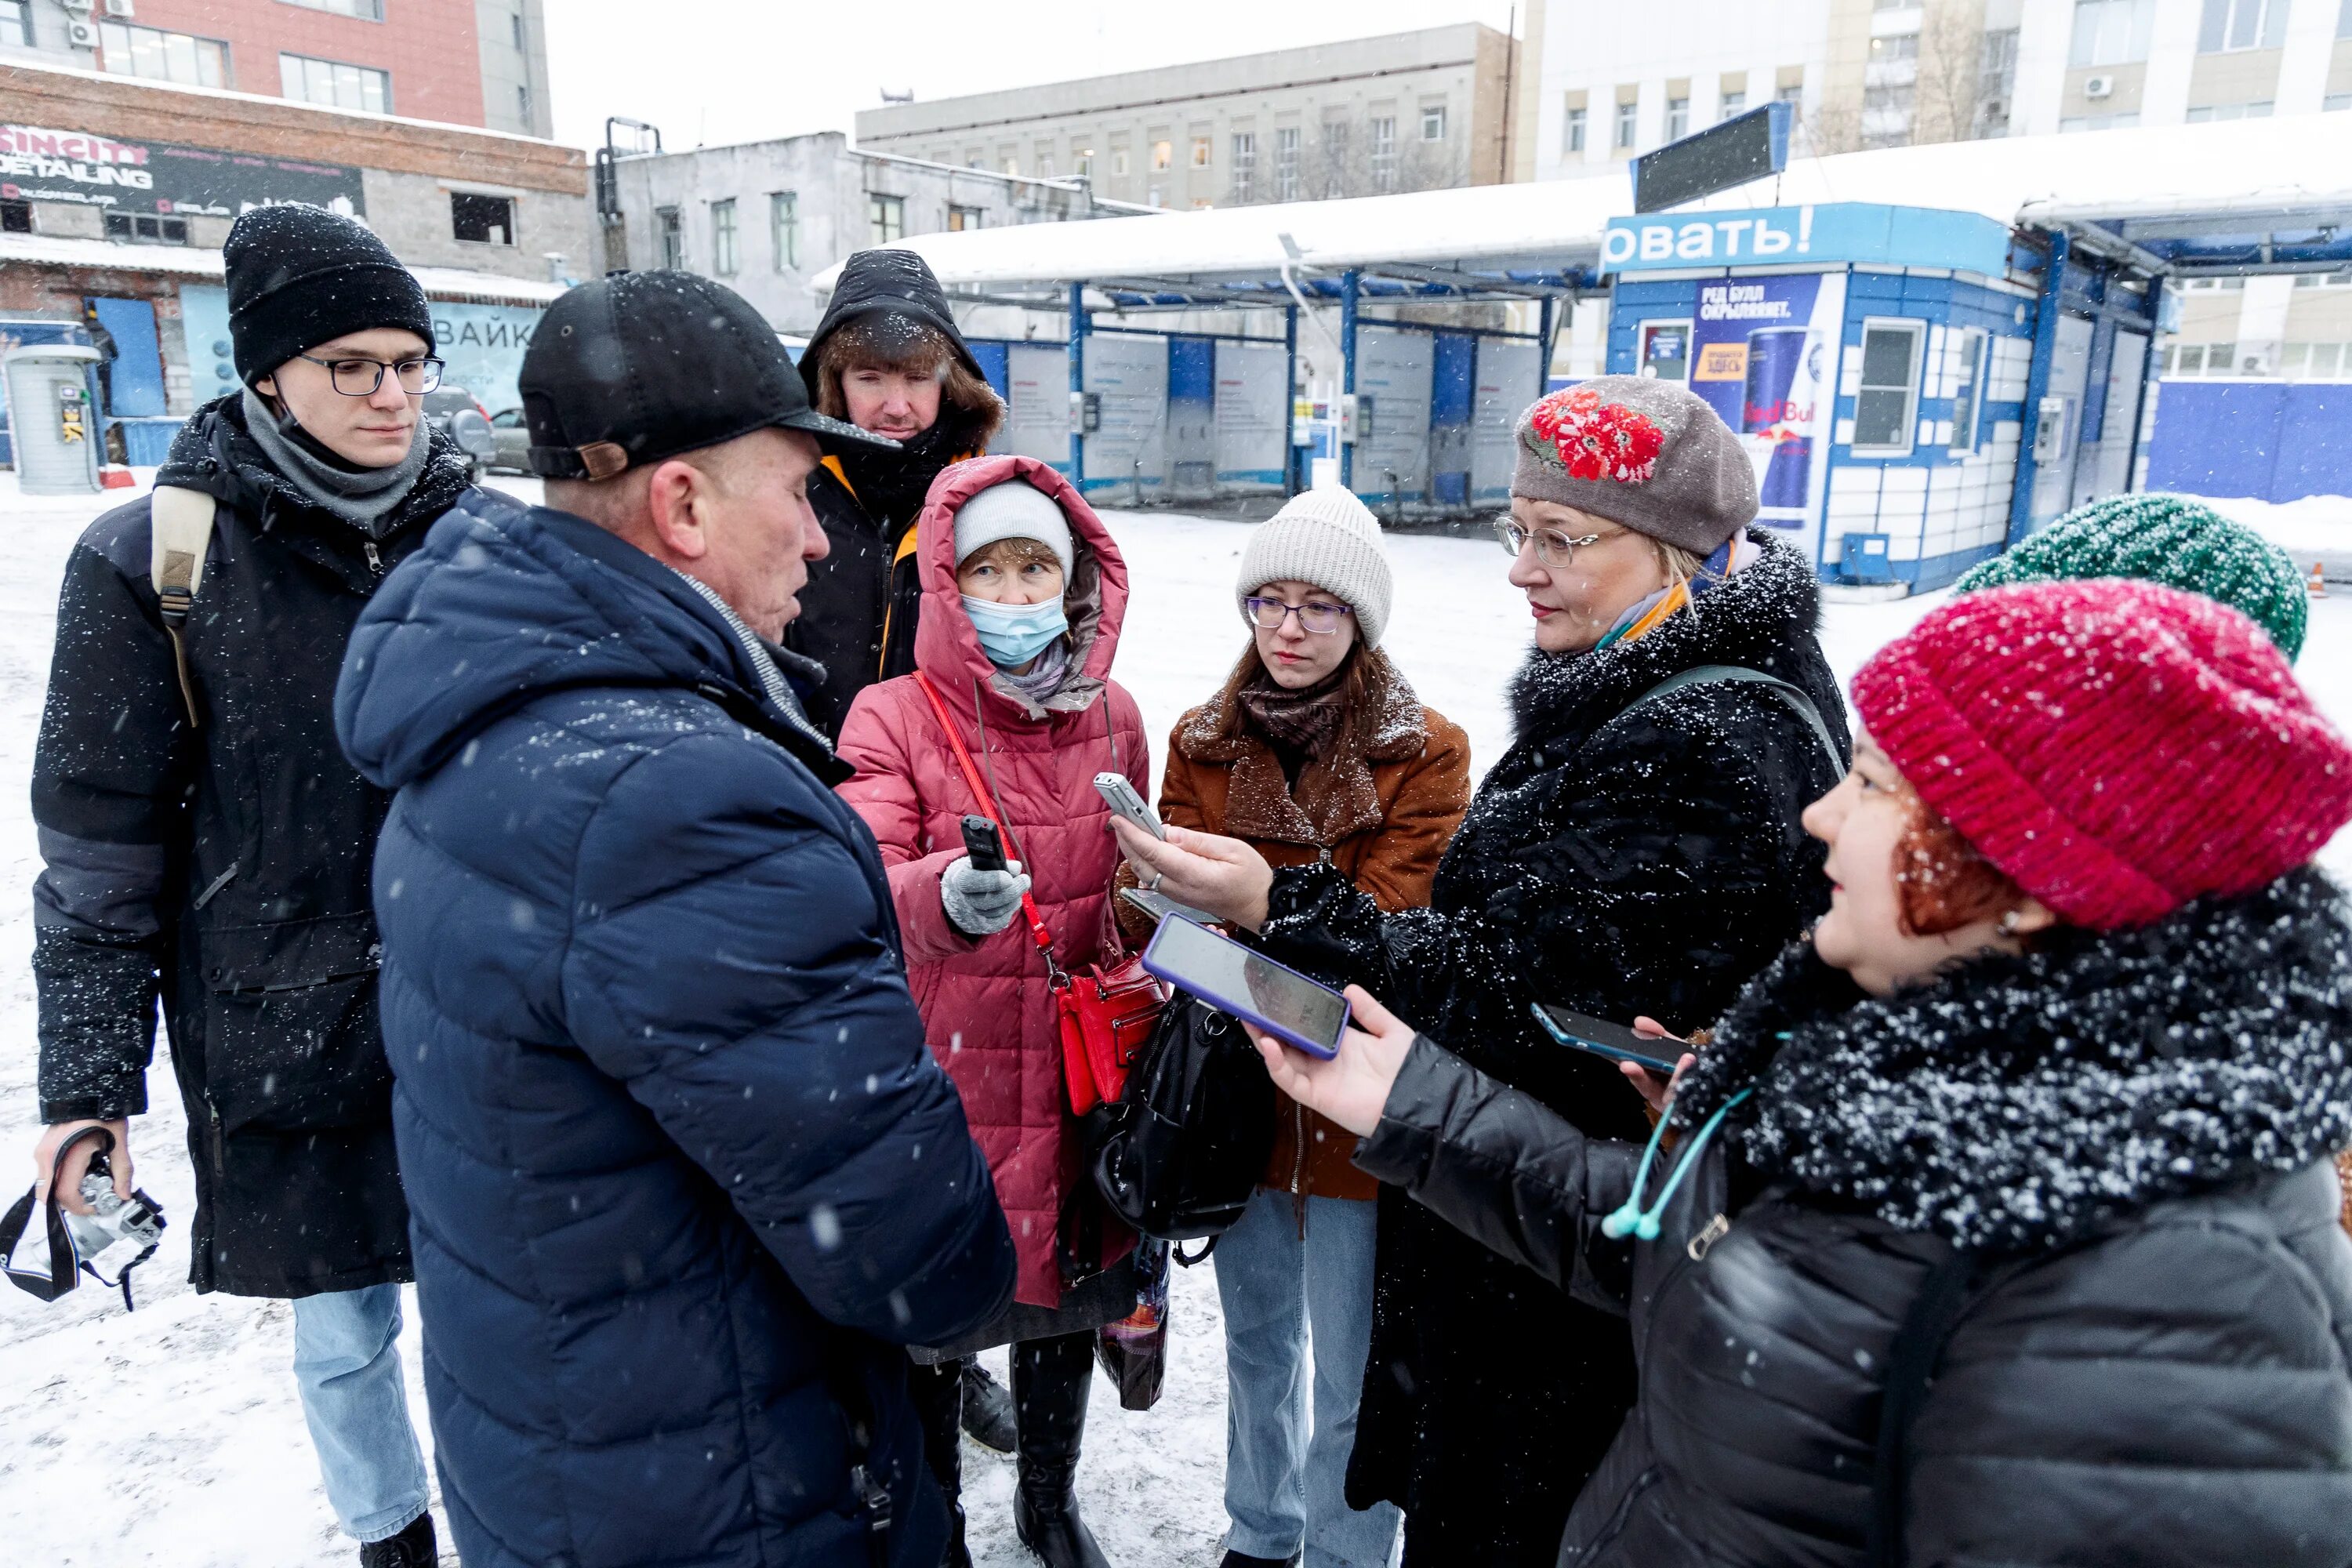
(206, 844)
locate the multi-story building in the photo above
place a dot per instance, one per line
(466, 62)
(1872, 73)
(116, 194)
(766, 217)
(1408, 111)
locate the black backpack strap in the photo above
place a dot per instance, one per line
(1792, 697)
(1945, 1296)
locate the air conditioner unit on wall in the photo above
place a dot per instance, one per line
(120, 9)
(2098, 87)
(82, 33)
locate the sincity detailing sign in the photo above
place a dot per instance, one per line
(39, 164)
(1830, 235)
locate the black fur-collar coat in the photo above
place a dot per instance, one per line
(1623, 857)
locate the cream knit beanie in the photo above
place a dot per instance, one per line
(1327, 537)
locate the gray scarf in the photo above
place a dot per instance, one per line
(1046, 673)
(365, 498)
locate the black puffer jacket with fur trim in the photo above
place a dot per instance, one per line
(2143, 1355)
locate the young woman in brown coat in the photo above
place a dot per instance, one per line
(1315, 749)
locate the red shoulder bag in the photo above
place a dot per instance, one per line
(1105, 1016)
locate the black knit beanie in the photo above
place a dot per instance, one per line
(301, 276)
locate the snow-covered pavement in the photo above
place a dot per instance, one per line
(172, 1436)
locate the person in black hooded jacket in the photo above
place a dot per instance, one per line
(887, 357)
(1637, 851)
(205, 841)
(1996, 1223)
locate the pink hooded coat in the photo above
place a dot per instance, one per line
(987, 1009)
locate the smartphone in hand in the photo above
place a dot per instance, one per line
(1613, 1041)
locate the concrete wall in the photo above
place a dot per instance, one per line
(513, 38)
(1166, 137)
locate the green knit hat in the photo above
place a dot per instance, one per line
(2171, 540)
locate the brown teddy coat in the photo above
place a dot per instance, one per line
(1386, 819)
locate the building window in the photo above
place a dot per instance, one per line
(1118, 161)
(1244, 162)
(962, 218)
(1677, 118)
(365, 10)
(139, 228)
(1381, 129)
(2233, 25)
(1163, 156)
(2344, 20)
(723, 259)
(1883, 409)
(162, 56)
(1202, 152)
(522, 102)
(1286, 163)
(2324, 280)
(673, 238)
(2111, 32)
(1995, 82)
(784, 228)
(1966, 395)
(2203, 113)
(1629, 120)
(16, 217)
(514, 27)
(1572, 131)
(2336, 100)
(1081, 163)
(1793, 95)
(1433, 122)
(1336, 137)
(16, 24)
(886, 218)
(1889, 48)
(482, 220)
(335, 84)
(1734, 104)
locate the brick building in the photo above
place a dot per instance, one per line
(469, 62)
(115, 197)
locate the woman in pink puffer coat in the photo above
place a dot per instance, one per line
(1030, 693)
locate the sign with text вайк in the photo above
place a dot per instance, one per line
(1832, 233)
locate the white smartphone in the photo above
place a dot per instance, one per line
(1121, 796)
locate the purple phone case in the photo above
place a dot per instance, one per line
(1243, 1009)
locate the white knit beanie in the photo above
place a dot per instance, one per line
(1327, 537)
(1014, 510)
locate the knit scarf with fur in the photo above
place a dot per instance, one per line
(2014, 1101)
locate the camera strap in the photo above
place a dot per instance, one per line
(66, 1262)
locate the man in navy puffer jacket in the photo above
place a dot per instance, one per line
(682, 1174)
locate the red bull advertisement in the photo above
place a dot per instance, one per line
(1764, 354)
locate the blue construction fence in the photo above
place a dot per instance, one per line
(2272, 440)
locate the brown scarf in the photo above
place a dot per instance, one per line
(1305, 722)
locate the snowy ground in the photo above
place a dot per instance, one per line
(173, 1437)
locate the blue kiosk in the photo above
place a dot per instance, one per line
(1916, 388)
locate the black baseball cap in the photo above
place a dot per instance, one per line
(641, 366)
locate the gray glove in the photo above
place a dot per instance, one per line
(981, 903)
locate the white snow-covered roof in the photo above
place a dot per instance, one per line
(194, 262)
(2301, 163)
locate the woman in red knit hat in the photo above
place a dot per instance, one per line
(1997, 1222)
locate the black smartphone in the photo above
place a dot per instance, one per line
(983, 843)
(1614, 1041)
(1221, 971)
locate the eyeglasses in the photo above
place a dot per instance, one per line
(1321, 619)
(1553, 548)
(361, 378)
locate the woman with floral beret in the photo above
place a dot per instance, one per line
(1637, 852)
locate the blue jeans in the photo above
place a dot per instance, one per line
(1284, 1480)
(347, 1365)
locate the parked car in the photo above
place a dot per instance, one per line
(467, 422)
(513, 455)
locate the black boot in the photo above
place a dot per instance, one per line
(937, 1393)
(414, 1547)
(1050, 1380)
(987, 1409)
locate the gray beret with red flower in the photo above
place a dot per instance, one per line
(1646, 453)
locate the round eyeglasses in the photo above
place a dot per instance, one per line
(1553, 548)
(1321, 619)
(361, 378)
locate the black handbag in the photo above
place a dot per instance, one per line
(1179, 1151)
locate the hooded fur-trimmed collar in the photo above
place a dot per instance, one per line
(1336, 797)
(2013, 1102)
(1754, 617)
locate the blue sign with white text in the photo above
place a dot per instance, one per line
(1831, 233)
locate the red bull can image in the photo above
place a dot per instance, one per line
(1777, 417)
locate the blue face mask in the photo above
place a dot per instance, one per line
(1012, 634)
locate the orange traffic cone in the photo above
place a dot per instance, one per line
(2318, 584)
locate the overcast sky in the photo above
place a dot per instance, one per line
(712, 71)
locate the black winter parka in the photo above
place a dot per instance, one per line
(2069, 1215)
(1623, 857)
(225, 869)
